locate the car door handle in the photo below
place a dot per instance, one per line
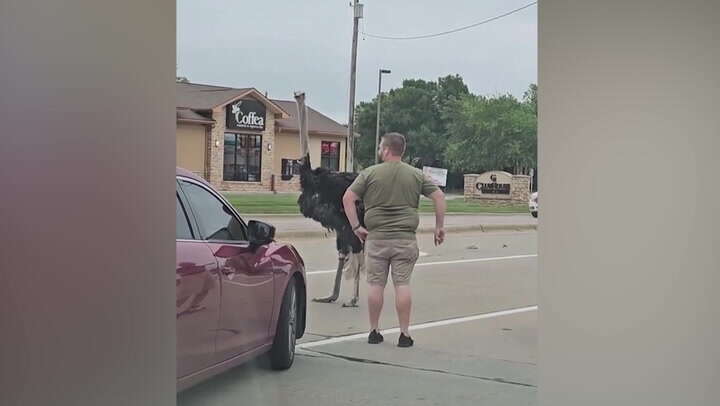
(286, 269)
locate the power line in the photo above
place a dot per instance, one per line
(453, 30)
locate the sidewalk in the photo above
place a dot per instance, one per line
(295, 226)
(229, 193)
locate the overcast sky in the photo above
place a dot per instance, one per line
(280, 46)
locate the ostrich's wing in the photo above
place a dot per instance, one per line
(307, 202)
(321, 200)
(360, 211)
(332, 185)
(311, 206)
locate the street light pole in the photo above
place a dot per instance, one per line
(377, 124)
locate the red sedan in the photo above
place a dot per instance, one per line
(240, 294)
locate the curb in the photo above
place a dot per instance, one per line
(422, 230)
(300, 216)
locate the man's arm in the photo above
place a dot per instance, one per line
(349, 199)
(438, 198)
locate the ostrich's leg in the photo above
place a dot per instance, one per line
(338, 279)
(353, 302)
(359, 262)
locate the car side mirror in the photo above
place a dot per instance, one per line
(260, 233)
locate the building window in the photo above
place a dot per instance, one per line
(290, 167)
(241, 161)
(330, 155)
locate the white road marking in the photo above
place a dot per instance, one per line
(421, 326)
(458, 261)
(423, 254)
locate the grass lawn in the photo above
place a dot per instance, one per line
(286, 203)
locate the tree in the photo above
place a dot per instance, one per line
(530, 97)
(491, 133)
(410, 110)
(415, 110)
(450, 87)
(447, 126)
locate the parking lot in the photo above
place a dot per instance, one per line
(474, 325)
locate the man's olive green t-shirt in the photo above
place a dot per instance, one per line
(391, 193)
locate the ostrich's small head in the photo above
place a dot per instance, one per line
(304, 161)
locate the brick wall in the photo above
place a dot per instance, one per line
(470, 180)
(217, 137)
(215, 146)
(292, 185)
(520, 188)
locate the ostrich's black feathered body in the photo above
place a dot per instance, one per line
(321, 200)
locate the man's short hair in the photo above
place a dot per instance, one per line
(396, 143)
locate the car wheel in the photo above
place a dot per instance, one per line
(282, 353)
(534, 214)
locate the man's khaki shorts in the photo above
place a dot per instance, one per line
(383, 255)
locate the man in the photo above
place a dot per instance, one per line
(391, 194)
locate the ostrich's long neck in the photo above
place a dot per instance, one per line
(304, 146)
(307, 177)
(303, 125)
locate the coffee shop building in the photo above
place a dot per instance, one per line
(238, 139)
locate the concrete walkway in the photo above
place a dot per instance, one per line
(299, 227)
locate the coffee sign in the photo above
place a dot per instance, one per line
(494, 183)
(246, 114)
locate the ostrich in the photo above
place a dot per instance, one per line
(321, 200)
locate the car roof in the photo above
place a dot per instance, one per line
(186, 173)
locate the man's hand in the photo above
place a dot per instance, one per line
(439, 235)
(438, 198)
(349, 199)
(361, 233)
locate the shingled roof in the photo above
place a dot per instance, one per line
(197, 96)
(194, 100)
(188, 115)
(317, 122)
(205, 97)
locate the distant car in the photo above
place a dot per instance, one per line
(533, 204)
(239, 293)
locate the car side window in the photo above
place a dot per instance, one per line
(182, 223)
(216, 221)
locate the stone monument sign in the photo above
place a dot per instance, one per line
(498, 188)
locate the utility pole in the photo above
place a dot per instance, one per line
(350, 144)
(377, 124)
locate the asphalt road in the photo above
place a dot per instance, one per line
(474, 325)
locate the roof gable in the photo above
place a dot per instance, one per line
(207, 97)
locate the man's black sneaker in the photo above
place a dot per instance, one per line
(375, 337)
(405, 341)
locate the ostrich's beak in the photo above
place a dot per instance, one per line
(302, 124)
